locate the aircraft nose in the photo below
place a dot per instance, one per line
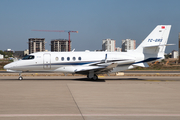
(7, 66)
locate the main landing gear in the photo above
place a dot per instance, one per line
(93, 77)
(20, 77)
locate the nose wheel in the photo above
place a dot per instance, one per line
(20, 77)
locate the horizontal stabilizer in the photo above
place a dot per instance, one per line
(157, 45)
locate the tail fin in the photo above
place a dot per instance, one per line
(156, 42)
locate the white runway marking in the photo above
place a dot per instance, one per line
(56, 115)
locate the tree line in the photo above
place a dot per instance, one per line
(6, 54)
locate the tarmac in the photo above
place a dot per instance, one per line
(78, 98)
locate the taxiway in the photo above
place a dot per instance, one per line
(77, 98)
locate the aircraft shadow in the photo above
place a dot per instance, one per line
(76, 79)
(124, 79)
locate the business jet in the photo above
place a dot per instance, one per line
(91, 64)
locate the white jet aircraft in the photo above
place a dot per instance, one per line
(94, 63)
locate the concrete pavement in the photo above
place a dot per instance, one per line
(74, 97)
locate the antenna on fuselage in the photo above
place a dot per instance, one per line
(73, 50)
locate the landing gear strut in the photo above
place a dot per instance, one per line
(20, 77)
(94, 77)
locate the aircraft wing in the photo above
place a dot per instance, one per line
(108, 68)
(97, 69)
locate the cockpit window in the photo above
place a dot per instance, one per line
(28, 57)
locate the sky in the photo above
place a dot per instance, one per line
(94, 20)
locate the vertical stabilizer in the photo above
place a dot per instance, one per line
(156, 42)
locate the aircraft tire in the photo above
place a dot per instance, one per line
(20, 78)
(95, 77)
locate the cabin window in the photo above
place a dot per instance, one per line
(56, 58)
(68, 58)
(74, 58)
(62, 58)
(28, 57)
(79, 58)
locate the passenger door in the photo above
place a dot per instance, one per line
(47, 61)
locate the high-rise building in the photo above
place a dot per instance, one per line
(59, 45)
(118, 49)
(20, 54)
(128, 44)
(109, 45)
(175, 54)
(26, 52)
(36, 45)
(1, 56)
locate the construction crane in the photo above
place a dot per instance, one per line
(69, 49)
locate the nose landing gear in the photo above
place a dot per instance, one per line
(20, 77)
